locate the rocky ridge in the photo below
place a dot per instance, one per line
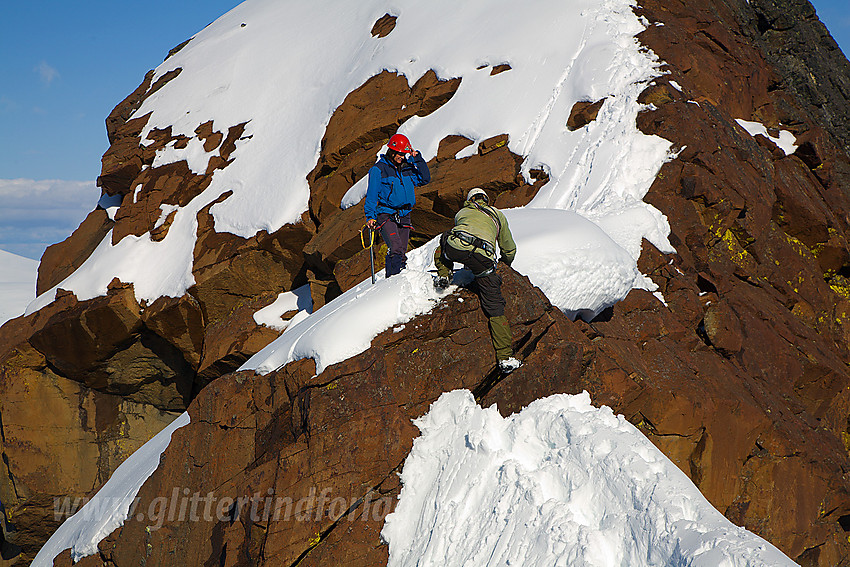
(740, 376)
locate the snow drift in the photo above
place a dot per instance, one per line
(112, 504)
(560, 483)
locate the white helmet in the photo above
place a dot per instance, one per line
(477, 192)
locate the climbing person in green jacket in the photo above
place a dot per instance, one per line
(472, 242)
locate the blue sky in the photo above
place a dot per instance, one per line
(64, 67)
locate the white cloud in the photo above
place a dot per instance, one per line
(66, 191)
(47, 73)
(35, 214)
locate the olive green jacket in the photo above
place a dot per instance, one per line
(474, 219)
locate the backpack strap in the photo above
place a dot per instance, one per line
(486, 210)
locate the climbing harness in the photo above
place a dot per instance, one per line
(395, 217)
(474, 241)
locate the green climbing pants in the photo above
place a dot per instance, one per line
(500, 332)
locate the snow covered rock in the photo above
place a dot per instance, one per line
(304, 449)
(239, 180)
(60, 260)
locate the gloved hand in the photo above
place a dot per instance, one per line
(441, 283)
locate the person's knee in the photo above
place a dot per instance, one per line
(489, 290)
(492, 302)
(395, 243)
(399, 248)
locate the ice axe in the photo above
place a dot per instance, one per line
(371, 248)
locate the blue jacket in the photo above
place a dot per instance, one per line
(393, 191)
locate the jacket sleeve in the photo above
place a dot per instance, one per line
(506, 241)
(421, 168)
(370, 205)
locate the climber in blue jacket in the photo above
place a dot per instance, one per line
(391, 196)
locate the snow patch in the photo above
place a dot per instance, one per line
(296, 300)
(163, 216)
(579, 267)
(196, 157)
(785, 141)
(346, 326)
(356, 193)
(560, 483)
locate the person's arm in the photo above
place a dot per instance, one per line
(506, 241)
(421, 168)
(370, 205)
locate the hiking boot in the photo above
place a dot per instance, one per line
(508, 365)
(441, 283)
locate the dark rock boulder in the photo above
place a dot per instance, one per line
(104, 345)
(809, 62)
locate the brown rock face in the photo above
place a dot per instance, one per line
(583, 113)
(61, 260)
(384, 26)
(750, 224)
(104, 345)
(60, 441)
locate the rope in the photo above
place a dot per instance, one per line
(371, 237)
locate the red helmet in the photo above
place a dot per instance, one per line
(400, 143)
